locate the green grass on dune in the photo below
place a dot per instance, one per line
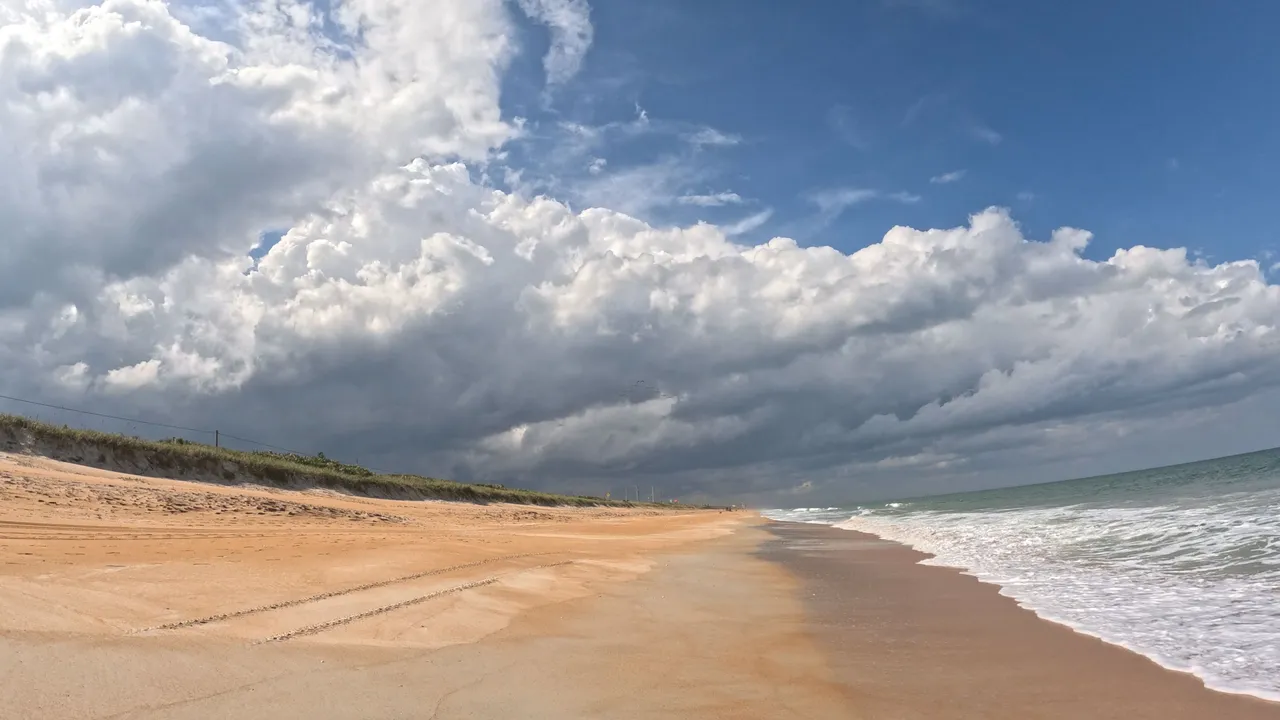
(178, 458)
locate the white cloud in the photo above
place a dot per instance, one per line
(711, 200)
(1026, 196)
(130, 377)
(748, 223)
(73, 377)
(711, 136)
(985, 134)
(641, 189)
(947, 178)
(670, 165)
(571, 35)
(666, 175)
(423, 320)
(841, 120)
(833, 202)
(838, 199)
(215, 142)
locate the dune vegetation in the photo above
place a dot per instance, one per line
(182, 459)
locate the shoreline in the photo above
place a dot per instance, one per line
(983, 654)
(1271, 698)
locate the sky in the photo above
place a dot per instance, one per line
(734, 251)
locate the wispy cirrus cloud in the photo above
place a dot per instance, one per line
(580, 137)
(709, 136)
(640, 165)
(923, 105)
(981, 131)
(639, 190)
(837, 200)
(845, 125)
(748, 223)
(949, 177)
(834, 202)
(711, 200)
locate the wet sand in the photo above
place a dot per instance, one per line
(914, 641)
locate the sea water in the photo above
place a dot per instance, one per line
(1181, 564)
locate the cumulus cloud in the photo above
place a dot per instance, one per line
(131, 141)
(419, 318)
(571, 35)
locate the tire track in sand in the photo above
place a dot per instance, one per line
(327, 595)
(336, 622)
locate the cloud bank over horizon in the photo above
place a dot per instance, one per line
(422, 315)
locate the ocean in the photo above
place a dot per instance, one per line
(1181, 564)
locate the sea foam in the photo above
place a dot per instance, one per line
(1193, 584)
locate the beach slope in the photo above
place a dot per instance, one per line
(917, 641)
(137, 597)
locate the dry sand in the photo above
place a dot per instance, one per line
(130, 597)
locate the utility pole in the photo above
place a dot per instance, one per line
(217, 440)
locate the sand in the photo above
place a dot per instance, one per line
(135, 597)
(914, 641)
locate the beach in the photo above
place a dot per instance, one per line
(137, 597)
(914, 641)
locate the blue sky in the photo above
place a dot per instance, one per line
(1145, 123)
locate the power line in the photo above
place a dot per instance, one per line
(215, 433)
(103, 415)
(265, 445)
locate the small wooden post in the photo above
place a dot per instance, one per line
(217, 441)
